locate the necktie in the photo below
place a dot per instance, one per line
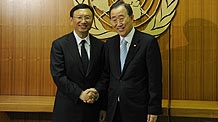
(123, 53)
(84, 56)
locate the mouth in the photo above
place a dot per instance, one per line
(120, 28)
(83, 26)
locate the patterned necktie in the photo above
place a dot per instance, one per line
(84, 56)
(123, 53)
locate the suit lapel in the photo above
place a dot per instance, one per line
(132, 51)
(116, 54)
(73, 48)
(93, 51)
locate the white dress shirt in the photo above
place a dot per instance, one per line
(79, 44)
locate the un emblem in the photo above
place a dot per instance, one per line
(150, 16)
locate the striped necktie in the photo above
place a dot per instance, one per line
(123, 53)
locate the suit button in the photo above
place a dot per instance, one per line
(120, 80)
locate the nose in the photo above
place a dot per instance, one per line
(119, 23)
(83, 20)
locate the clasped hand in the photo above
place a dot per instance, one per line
(89, 95)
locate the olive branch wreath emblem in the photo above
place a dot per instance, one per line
(160, 23)
(156, 26)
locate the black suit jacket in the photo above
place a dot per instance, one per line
(67, 72)
(139, 85)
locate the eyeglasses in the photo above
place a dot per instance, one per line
(86, 18)
(116, 20)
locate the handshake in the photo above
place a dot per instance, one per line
(89, 95)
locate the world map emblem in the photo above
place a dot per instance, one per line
(150, 16)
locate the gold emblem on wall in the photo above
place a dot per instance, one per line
(150, 16)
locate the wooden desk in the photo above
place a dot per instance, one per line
(179, 108)
(26, 103)
(190, 108)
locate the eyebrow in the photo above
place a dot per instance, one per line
(118, 16)
(113, 17)
(83, 16)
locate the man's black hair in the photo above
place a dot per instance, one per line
(81, 6)
(119, 3)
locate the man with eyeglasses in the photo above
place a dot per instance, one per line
(133, 71)
(76, 63)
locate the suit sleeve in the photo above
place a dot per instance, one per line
(57, 67)
(102, 83)
(154, 66)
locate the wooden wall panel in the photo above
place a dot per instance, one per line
(163, 41)
(27, 31)
(194, 50)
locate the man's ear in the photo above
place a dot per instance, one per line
(132, 17)
(71, 20)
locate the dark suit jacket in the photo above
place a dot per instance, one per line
(67, 72)
(139, 85)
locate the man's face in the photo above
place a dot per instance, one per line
(121, 22)
(82, 21)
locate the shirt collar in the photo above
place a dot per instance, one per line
(79, 40)
(129, 37)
